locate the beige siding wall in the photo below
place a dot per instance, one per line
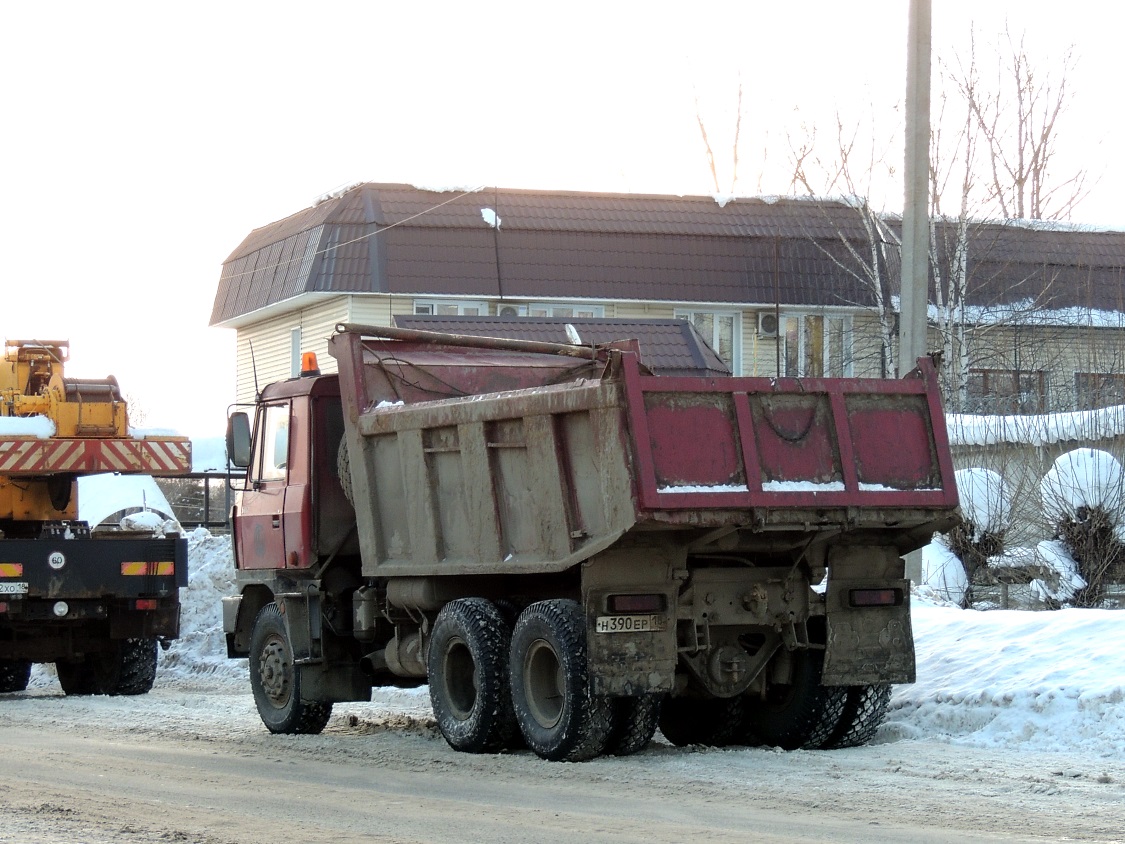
(271, 339)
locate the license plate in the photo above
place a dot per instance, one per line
(13, 588)
(629, 624)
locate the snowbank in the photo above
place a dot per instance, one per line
(1045, 681)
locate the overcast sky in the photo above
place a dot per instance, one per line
(143, 141)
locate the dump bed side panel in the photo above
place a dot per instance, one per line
(530, 480)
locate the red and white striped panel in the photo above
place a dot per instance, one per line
(20, 456)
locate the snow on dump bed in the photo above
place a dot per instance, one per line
(1049, 681)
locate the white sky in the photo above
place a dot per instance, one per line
(143, 141)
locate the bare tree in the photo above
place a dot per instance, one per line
(734, 146)
(1018, 118)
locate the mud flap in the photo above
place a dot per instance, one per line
(868, 644)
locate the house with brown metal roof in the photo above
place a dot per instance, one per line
(773, 286)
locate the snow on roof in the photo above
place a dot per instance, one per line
(1036, 430)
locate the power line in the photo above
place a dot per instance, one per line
(328, 249)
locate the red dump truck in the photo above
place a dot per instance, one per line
(573, 552)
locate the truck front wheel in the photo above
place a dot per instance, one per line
(276, 681)
(560, 718)
(14, 675)
(467, 668)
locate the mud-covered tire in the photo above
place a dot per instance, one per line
(138, 667)
(634, 724)
(344, 470)
(14, 675)
(864, 710)
(276, 681)
(713, 722)
(559, 717)
(126, 668)
(802, 714)
(467, 669)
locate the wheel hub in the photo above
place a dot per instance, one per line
(275, 669)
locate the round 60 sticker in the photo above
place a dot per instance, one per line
(56, 560)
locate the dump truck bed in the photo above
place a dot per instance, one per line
(585, 449)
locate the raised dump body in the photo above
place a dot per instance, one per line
(605, 550)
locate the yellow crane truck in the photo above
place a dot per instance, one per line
(96, 605)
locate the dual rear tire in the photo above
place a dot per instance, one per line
(494, 687)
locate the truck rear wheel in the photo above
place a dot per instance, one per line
(634, 724)
(14, 675)
(467, 667)
(864, 711)
(276, 681)
(800, 714)
(714, 722)
(560, 718)
(126, 668)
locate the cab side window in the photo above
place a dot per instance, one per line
(272, 457)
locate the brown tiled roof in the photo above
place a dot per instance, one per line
(386, 238)
(668, 346)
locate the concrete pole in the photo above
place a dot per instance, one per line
(915, 216)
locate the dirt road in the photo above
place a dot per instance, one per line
(195, 765)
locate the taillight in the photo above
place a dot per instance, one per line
(636, 603)
(876, 597)
(145, 604)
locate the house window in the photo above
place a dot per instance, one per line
(721, 330)
(816, 346)
(1098, 389)
(1007, 391)
(449, 307)
(294, 352)
(547, 309)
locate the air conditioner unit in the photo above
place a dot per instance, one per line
(767, 324)
(512, 310)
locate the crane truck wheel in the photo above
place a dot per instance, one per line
(561, 720)
(276, 681)
(634, 724)
(467, 668)
(714, 722)
(14, 675)
(799, 714)
(864, 711)
(127, 668)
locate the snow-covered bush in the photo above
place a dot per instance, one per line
(987, 510)
(1082, 497)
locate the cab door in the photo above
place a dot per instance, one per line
(261, 536)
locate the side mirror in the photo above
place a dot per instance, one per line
(238, 439)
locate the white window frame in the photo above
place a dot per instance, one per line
(689, 314)
(432, 307)
(549, 308)
(847, 353)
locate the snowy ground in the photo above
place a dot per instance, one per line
(1034, 681)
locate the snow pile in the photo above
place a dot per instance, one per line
(943, 573)
(1064, 580)
(201, 651)
(39, 427)
(1046, 681)
(101, 496)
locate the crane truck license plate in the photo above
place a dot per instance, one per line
(13, 588)
(629, 624)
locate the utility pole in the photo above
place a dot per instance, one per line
(915, 216)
